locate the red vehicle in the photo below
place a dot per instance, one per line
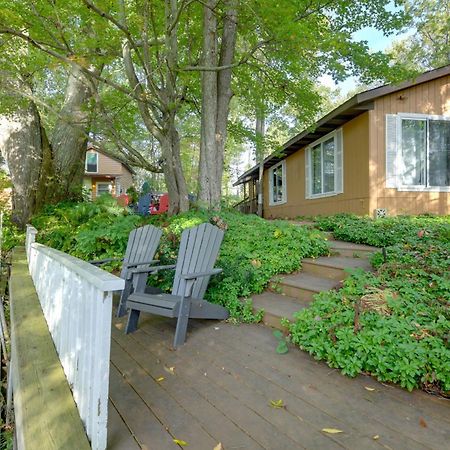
(159, 204)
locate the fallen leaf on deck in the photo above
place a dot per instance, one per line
(160, 379)
(369, 388)
(376, 437)
(422, 423)
(331, 430)
(170, 369)
(180, 442)
(219, 446)
(277, 403)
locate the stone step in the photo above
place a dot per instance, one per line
(277, 307)
(302, 286)
(348, 249)
(332, 267)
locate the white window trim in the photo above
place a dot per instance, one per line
(333, 134)
(419, 188)
(86, 164)
(283, 171)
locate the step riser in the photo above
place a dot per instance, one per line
(273, 321)
(296, 292)
(332, 273)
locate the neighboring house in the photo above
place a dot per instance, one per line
(104, 174)
(384, 151)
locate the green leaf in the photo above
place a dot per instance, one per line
(282, 348)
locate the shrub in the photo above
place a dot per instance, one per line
(395, 323)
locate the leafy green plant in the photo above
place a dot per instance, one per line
(393, 323)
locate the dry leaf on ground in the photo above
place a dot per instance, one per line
(277, 403)
(331, 430)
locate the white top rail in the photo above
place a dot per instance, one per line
(76, 299)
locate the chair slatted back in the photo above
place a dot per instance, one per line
(199, 248)
(141, 247)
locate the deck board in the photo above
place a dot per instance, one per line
(220, 389)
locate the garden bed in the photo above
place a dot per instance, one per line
(393, 324)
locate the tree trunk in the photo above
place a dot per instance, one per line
(70, 135)
(24, 146)
(173, 173)
(260, 129)
(216, 96)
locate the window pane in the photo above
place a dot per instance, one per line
(316, 163)
(277, 184)
(103, 188)
(439, 153)
(413, 152)
(91, 162)
(328, 166)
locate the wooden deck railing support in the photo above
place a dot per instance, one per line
(76, 300)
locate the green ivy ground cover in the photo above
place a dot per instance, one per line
(394, 323)
(253, 250)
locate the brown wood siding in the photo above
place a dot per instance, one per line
(355, 197)
(125, 180)
(108, 166)
(432, 97)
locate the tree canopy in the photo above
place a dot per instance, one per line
(162, 76)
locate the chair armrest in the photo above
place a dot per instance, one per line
(141, 263)
(151, 269)
(99, 262)
(191, 276)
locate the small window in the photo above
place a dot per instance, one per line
(103, 188)
(418, 152)
(323, 168)
(277, 184)
(92, 162)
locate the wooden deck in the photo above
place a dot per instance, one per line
(218, 388)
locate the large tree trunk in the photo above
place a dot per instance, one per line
(161, 122)
(173, 173)
(260, 129)
(216, 96)
(70, 135)
(24, 146)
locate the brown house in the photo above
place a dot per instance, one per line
(104, 174)
(384, 151)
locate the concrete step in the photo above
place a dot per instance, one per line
(332, 267)
(276, 307)
(302, 286)
(351, 250)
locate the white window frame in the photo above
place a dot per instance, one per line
(272, 202)
(86, 162)
(414, 188)
(338, 183)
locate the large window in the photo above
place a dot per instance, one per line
(324, 166)
(277, 185)
(92, 162)
(418, 152)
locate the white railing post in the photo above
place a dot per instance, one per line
(76, 299)
(30, 237)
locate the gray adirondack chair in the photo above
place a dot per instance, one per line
(141, 248)
(197, 254)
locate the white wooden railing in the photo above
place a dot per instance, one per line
(76, 299)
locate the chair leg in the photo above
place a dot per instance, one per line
(133, 318)
(122, 308)
(182, 323)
